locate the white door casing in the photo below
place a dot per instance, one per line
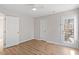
(75, 43)
(1, 32)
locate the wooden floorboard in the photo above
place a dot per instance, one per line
(39, 47)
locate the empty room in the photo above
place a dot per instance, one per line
(39, 29)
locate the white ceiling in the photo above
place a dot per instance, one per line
(42, 9)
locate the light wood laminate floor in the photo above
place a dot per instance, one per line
(39, 47)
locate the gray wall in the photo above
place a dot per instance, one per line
(26, 28)
(26, 24)
(54, 24)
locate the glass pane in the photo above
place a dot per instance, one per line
(69, 30)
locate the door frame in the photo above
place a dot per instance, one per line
(3, 24)
(5, 31)
(75, 44)
(44, 29)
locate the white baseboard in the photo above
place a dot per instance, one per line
(20, 41)
(25, 40)
(52, 42)
(6, 46)
(57, 43)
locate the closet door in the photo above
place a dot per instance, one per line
(12, 31)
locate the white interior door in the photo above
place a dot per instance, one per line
(12, 31)
(43, 29)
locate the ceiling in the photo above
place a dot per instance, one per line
(42, 9)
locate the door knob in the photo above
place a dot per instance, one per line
(18, 32)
